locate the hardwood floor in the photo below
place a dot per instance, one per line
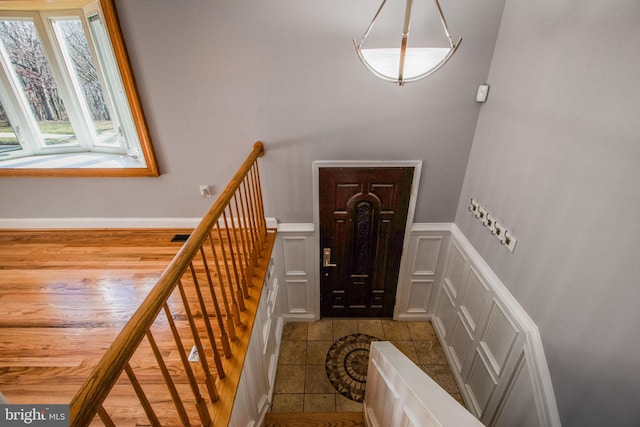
(64, 296)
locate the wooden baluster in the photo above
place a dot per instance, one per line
(246, 235)
(256, 209)
(173, 391)
(263, 220)
(104, 417)
(211, 388)
(242, 284)
(212, 288)
(234, 302)
(237, 238)
(238, 288)
(146, 405)
(254, 246)
(241, 255)
(224, 339)
(201, 404)
(242, 289)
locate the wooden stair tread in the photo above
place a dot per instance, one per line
(315, 419)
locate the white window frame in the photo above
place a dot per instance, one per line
(70, 93)
(116, 78)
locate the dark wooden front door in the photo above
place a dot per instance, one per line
(363, 214)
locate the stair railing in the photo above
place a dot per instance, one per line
(207, 288)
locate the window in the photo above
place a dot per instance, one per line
(68, 105)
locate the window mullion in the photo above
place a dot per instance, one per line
(17, 109)
(53, 51)
(117, 92)
(106, 84)
(17, 119)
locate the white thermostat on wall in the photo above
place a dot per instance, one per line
(483, 91)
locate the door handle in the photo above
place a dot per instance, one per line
(326, 258)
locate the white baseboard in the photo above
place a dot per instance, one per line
(419, 317)
(309, 317)
(107, 223)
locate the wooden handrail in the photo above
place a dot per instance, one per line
(88, 401)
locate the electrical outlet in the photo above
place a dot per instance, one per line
(193, 356)
(205, 191)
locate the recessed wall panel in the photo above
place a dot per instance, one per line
(445, 313)
(516, 408)
(457, 270)
(295, 256)
(460, 343)
(426, 256)
(480, 384)
(499, 337)
(419, 293)
(297, 296)
(475, 296)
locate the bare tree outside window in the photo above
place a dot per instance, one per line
(84, 67)
(26, 54)
(8, 138)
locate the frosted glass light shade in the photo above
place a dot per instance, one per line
(418, 62)
(405, 64)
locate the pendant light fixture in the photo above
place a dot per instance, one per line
(405, 64)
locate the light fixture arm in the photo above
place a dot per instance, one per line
(444, 23)
(434, 60)
(370, 27)
(405, 39)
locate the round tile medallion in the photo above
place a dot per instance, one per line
(346, 364)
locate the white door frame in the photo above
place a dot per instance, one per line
(317, 165)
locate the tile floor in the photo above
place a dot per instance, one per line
(301, 380)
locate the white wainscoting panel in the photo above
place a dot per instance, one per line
(297, 296)
(459, 344)
(499, 337)
(295, 261)
(425, 257)
(419, 294)
(516, 408)
(457, 269)
(473, 300)
(491, 343)
(480, 384)
(421, 267)
(296, 247)
(446, 310)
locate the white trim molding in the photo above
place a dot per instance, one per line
(108, 223)
(60, 223)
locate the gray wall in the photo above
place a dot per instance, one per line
(215, 76)
(556, 158)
